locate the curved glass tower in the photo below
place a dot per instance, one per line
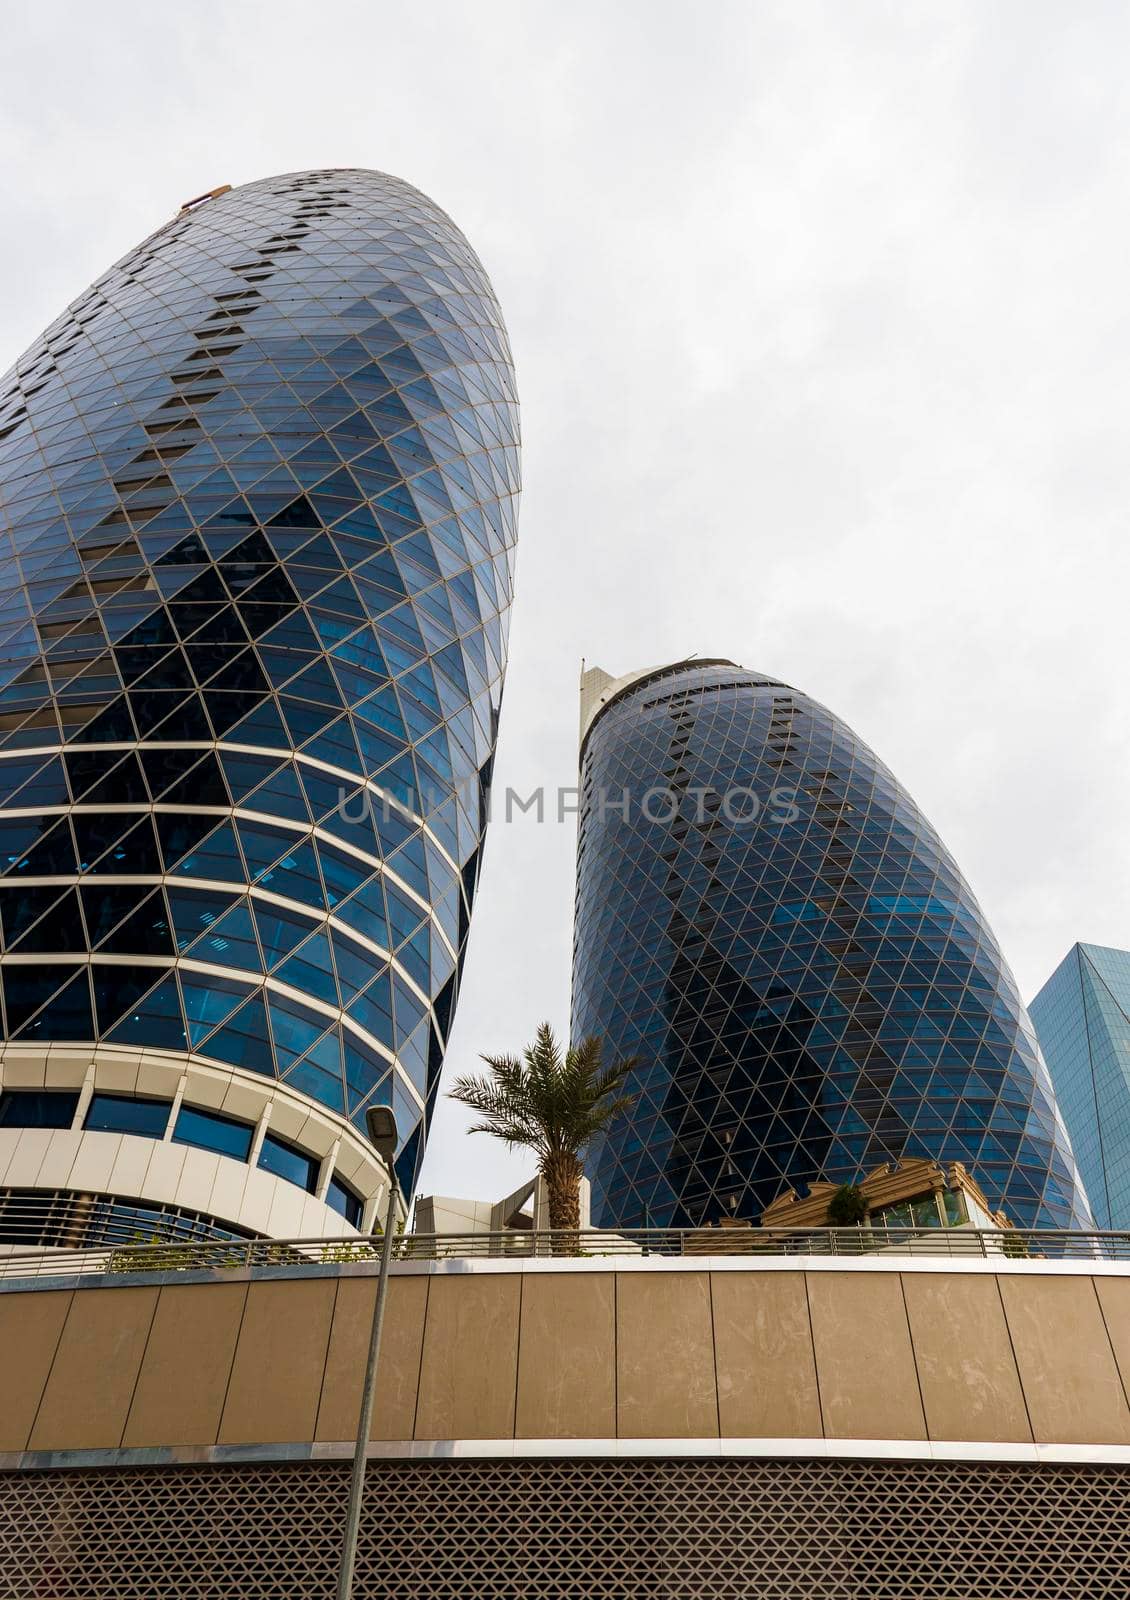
(258, 490)
(768, 922)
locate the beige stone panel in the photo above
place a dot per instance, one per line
(567, 1357)
(180, 1391)
(92, 1164)
(32, 1145)
(116, 1076)
(88, 1394)
(470, 1358)
(59, 1159)
(665, 1356)
(284, 1220)
(66, 1067)
(864, 1362)
(1114, 1299)
(30, 1325)
(1067, 1368)
(763, 1350)
(279, 1362)
(24, 1068)
(398, 1371)
(966, 1368)
(130, 1166)
(164, 1171)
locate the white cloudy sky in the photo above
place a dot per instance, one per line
(820, 315)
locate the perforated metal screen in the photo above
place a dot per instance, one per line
(578, 1530)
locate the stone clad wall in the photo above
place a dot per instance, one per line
(1028, 1354)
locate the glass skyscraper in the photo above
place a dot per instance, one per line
(1082, 1017)
(258, 491)
(767, 922)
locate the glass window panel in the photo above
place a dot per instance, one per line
(207, 1130)
(231, 941)
(408, 863)
(296, 876)
(115, 846)
(343, 874)
(207, 1001)
(280, 930)
(341, 1198)
(67, 1016)
(116, 988)
(119, 1113)
(404, 915)
(156, 1020)
(17, 837)
(356, 966)
(319, 1085)
(409, 1007)
(926, 1213)
(310, 970)
(216, 857)
(194, 910)
(364, 1068)
(180, 833)
(35, 1108)
(955, 1207)
(244, 772)
(287, 1161)
(48, 788)
(294, 1029)
(263, 845)
(244, 1041)
(366, 913)
(373, 1010)
(51, 850)
(282, 796)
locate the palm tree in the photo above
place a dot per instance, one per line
(552, 1105)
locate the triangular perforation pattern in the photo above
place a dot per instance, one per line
(586, 1529)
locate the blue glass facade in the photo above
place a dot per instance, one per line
(769, 924)
(258, 491)
(1082, 1018)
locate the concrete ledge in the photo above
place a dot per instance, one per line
(1039, 1455)
(460, 1266)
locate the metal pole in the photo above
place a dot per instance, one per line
(368, 1390)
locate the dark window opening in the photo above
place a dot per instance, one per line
(287, 1161)
(341, 1198)
(208, 1130)
(37, 1108)
(123, 1113)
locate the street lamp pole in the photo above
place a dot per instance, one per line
(382, 1133)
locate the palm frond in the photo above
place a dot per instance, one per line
(550, 1103)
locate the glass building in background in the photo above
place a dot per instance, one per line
(1082, 1017)
(767, 922)
(258, 491)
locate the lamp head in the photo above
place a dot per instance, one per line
(380, 1125)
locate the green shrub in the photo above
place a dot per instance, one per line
(847, 1207)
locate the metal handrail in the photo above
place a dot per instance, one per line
(125, 1254)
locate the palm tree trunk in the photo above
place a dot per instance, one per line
(562, 1173)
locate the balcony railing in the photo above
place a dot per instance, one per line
(65, 1236)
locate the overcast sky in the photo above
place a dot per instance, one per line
(820, 317)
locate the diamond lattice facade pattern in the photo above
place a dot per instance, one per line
(258, 491)
(806, 979)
